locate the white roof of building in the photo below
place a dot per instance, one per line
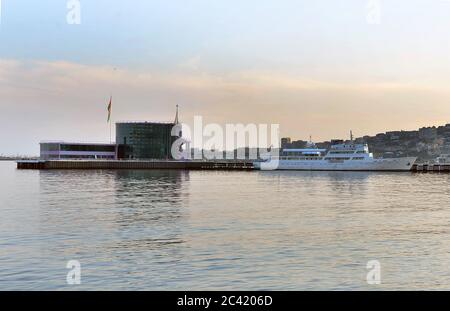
(144, 122)
(61, 142)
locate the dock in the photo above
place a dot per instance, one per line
(240, 165)
(431, 168)
(133, 165)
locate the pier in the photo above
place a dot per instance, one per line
(133, 165)
(431, 168)
(180, 165)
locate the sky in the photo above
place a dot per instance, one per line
(316, 68)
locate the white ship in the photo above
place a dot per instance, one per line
(340, 157)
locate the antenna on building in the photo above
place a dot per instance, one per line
(176, 117)
(351, 135)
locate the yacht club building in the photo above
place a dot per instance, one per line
(134, 141)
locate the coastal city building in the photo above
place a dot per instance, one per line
(134, 140)
(145, 140)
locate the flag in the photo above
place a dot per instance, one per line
(109, 109)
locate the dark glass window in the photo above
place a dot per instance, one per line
(50, 147)
(88, 148)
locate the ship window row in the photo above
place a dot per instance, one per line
(337, 158)
(347, 152)
(321, 158)
(301, 158)
(344, 158)
(342, 152)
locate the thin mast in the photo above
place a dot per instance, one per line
(176, 117)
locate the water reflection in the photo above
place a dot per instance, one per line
(175, 230)
(149, 208)
(149, 197)
(112, 218)
(124, 198)
(312, 182)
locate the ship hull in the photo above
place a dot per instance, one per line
(395, 164)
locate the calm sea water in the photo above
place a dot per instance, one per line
(204, 230)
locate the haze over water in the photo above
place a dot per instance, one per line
(206, 230)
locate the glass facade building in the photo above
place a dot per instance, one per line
(145, 140)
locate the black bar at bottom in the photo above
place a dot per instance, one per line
(226, 300)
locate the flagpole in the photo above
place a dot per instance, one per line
(110, 119)
(110, 122)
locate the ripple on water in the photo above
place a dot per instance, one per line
(177, 230)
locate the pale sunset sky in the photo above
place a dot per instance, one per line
(317, 68)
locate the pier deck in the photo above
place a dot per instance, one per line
(180, 165)
(133, 165)
(431, 168)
